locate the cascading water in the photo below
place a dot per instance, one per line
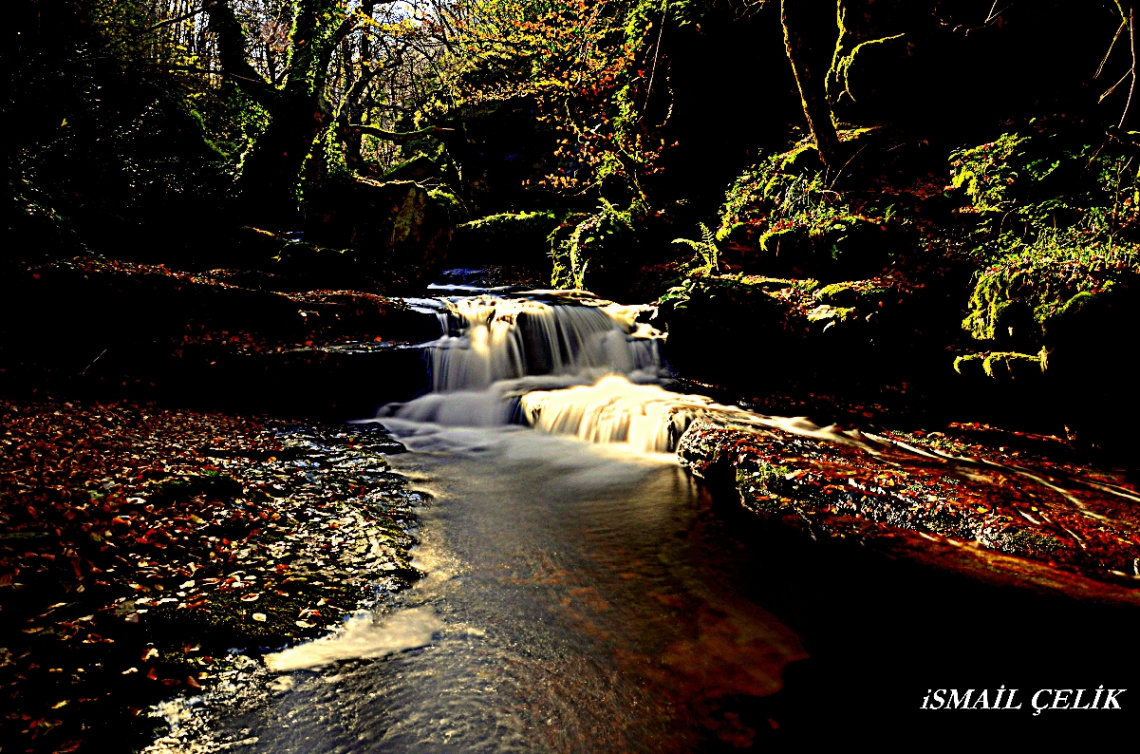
(488, 340)
(564, 363)
(500, 360)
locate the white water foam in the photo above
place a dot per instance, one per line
(647, 418)
(362, 637)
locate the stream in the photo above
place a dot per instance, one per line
(582, 593)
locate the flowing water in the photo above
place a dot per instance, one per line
(580, 592)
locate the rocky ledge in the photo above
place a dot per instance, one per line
(1004, 507)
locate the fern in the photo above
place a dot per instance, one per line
(706, 259)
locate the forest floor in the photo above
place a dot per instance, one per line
(146, 549)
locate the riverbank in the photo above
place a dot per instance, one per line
(145, 548)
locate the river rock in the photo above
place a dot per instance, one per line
(1053, 328)
(1011, 517)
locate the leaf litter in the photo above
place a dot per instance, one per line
(147, 552)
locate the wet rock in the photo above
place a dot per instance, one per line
(1015, 518)
(166, 332)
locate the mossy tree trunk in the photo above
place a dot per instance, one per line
(267, 186)
(297, 108)
(798, 18)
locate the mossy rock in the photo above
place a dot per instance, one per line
(397, 228)
(419, 168)
(832, 315)
(183, 487)
(506, 238)
(851, 294)
(1036, 297)
(837, 248)
(1002, 365)
(804, 158)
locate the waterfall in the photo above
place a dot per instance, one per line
(487, 340)
(495, 349)
(564, 363)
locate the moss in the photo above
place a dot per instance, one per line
(509, 237)
(453, 204)
(821, 231)
(508, 222)
(758, 488)
(603, 242)
(786, 207)
(1076, 305)
(409, 218)
(845, 58)
(182, 487)
(802, 158)
(831, 314)
(948, 522)
(1026, 542)
(986, 172)
(769, 284)
(419, 168)
(1017, 297)
(1002, 364)
(851, 294)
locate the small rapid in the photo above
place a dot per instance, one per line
(490, 339)
(498, 356)
(563, 363)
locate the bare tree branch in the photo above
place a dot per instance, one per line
(1132, 38)
(399, 135)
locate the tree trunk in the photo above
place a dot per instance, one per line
(797, 17)
(267, 186)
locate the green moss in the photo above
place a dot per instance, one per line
(601, 240)
(987, 171)
(851, 294)
(845, 58)
(453, 204)
(786, 206)
(948, 522)
(825, 313)
(1017, 297)
(516, 231)
(418, 168)
(804, 285)
(409, 218)
(1026, 542)
(801, 158)
(759, 488)
(1003, 364)
(182, 487)
(1077, 304)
